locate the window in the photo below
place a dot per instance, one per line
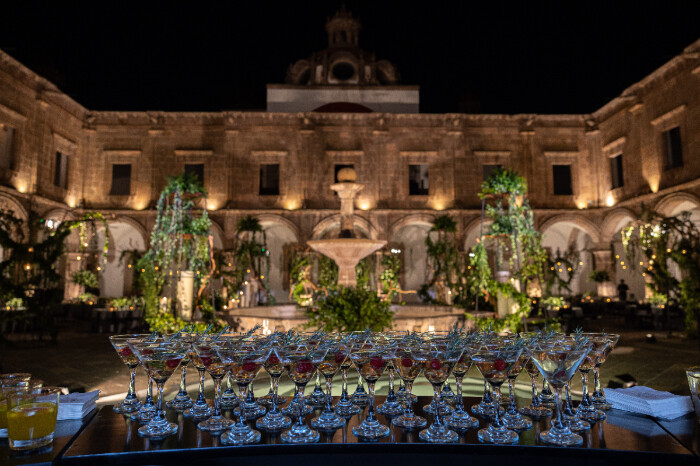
(562, 180)
(121, 180)
(672, 148)
(60, 174)
(7, 136)
(488, 169)
(269, 179)
(196, 169)
(616, 172)
(339, 167)
(418, 181)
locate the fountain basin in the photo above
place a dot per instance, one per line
(346, 252)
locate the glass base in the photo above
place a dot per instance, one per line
(592, 415)
(158, 431)
(390, 408)
(250, 411)
(449, 396)
(127, 407)
(438, 434)
(536, 412)
(240, 435)
(145, 414)
(548, 401)
(564, 439)
(578, 425)
(229, 401)
(180, 402)
(345, 408)
(401, 396)
(215, 424)
(293, 409)
(199, 411)
(515, 422)
(370, 430)
(21, 445)
(328, 421)
(273, 422)
(498, 436)
(445, 409)
(603, 404)
(485, 409)
(317, 398)
(267, 400)
(300, 434)
(461, 420)
(410, 423)
(360, 398)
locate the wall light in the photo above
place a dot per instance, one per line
(610, 200)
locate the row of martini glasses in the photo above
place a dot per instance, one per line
(437, 355)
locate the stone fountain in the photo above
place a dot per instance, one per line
(347, 250)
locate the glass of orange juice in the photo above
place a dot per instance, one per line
(9, 382)
(31, 417)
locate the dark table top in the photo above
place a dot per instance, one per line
(622, 439)
(64, 433)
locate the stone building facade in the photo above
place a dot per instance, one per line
(61, 159)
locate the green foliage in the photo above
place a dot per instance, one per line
(657, 299)
(554, 302)
(444, 223)
(88, 298)
(350, 309)
(512, 323)
(503, 181)
(390, 276)
(327, 272)
(14, 303)
(119, 303)
(599, 276)
(85, 278)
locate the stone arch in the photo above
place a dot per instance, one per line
(59, 214)
(473, 230)
(411, 219)
(135, 225)
(364, 225)
(272, 219)
(218, 234)
(579, 221)
(125, 234)
(281, 235)
(8, 202)
(613, 222)
(410, 232)
(677, 202)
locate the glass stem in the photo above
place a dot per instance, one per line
(202, 378)
(408, 412)
(487, 391)
(559, 424)
(370, 410)
(535, 398)
(329, 396)
(217, 396)
(300, 416)
(241, 397)
(596, 381)
(161, 411)
(345, 384)
(391, 396)
(149, 391)
(585, 400)
(513, 407)
(132, 384)
(275, 386)
(497, 422)
(183, 381)
(568, 407)
(437, 396)
(460, 401)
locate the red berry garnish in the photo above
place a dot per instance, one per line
(435, 364)
(339, 357)
(147, 351)
(249, 366)
(172, 363)
(305, 366)
(206, 360)
(560, 375)
(273, 359)
(377, 363)
(125, 352)
(406, 362)
(499, 365)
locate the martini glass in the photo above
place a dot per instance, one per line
(200, 410)
(570, 417)
(535, 410)
(557, 361)
(598, 396)
(243, 361)
(438, 357)
(547, 398)
(229, 399)
(360, 397)
(586, 409)
(161, 359)
(460, 420)
(401, 393)
(336, 355)
(301, 364)
(408, 369)
(391, 406)
(345, 407)
(495, 360)
(512, 419)
(274, 420)
(206, 350)
(182, 400)
(371, 357)
(317, 397)
(148, 409)
(131, 403)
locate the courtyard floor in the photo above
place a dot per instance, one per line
(87, 361)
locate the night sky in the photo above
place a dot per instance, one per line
(489, 56)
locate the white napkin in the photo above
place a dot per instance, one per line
(645, 400)
(76, 405)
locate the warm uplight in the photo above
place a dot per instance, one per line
(364, 203)
(654, 183)
(581, 205)
(438, 204)
(212, 204)
(610, 200)
(27, 267)
(21, 187)
(78, 258)
(291, 204)
(140, 204)
(70, 201)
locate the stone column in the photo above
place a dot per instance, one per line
(71, 290)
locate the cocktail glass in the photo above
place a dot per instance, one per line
(206, 350)
(512, 418)
(391, 406)
(586, 409)
(345, 407)
(448, 396)
(301, 364)
(575, 423)
(229, 398)
(317, 398)
(182, 400)
(408, 369)
(486, 406)
(243, 361)
(131, 403)
(274, 420)
(370, 357)
(31, 417)
(460, 420)
(495, 360)
(9, 382)
(359, 396)
(200, 410)
(598, 396)
(438, 357)
(535, 410)
(161, 359)
(148, 409)
(557, 361)
(336, 354)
